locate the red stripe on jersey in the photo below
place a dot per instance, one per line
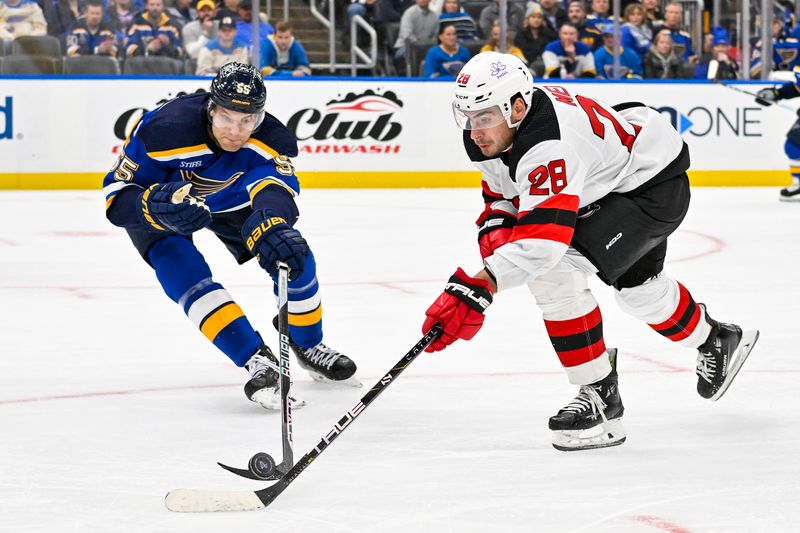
(573, 326)
(674, 321)
(567, 202)
(583, 355)
(488, 192)
(550, 232)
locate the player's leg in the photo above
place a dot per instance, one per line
(186, 278)
(324, 363)
(669, 308)
(792, 193)
(666, 305)
(305, 307)
(575, 326)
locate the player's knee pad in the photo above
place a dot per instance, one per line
(562, 295)
(650, 301)
(178, 264)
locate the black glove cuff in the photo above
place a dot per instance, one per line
(476, 297)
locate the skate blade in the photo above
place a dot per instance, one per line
(790, 198)
(272, 400)
(746, 345)
(352, 381)
(611, 433)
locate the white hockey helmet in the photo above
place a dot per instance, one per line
(487, 83)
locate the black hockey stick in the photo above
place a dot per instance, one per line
(261, 466)
(190, 500)
(757, 98)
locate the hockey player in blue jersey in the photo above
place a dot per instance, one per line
(219, 161)
(769, 96)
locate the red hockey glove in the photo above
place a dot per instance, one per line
(494, 230)
(459, 309)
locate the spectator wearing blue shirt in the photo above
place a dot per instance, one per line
(244, 26)
(154, 33)
(445, 60)
(568, 58)
(452, 13)
(282, 54)
(90, 34)
(636, 35)
(681, 40)
(717, 64)
(630, 64)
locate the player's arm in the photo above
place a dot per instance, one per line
(550, 180)
(268, 232)
(498, 217)
(137, 195)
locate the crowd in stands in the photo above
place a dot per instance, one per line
(570, 38)
(558, 39)
(199, 35)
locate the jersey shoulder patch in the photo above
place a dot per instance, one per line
(276, 138)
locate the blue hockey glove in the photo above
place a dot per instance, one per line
(169, 208)
(271, 239)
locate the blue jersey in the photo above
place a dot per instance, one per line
(785, 55)
(173, 143)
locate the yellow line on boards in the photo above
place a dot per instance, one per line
(390, 180)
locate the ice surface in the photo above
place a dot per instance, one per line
(109, 397)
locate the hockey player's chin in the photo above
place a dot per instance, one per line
(487, 149)
(230, 145)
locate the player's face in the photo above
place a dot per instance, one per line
(231, 129)
(489, 130)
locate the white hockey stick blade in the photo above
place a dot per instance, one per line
(749, 339)
(208, 501)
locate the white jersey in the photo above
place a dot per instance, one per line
(568, 152)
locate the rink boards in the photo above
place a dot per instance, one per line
(66, 132)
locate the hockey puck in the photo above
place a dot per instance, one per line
(262, 465)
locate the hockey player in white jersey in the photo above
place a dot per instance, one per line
(572, 188)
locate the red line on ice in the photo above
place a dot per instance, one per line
(660, 523)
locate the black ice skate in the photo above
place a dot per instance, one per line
(325, 364)
(721, 357)
(791, 193)
(263, 387)
(594, 418)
